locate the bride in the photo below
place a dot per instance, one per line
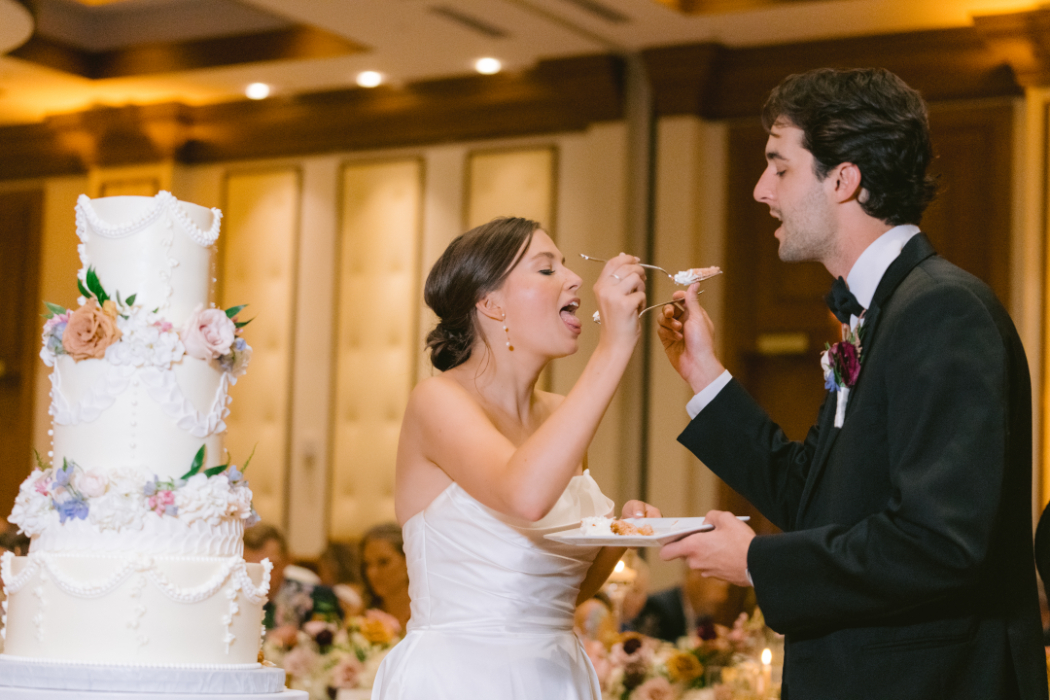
(487, 464)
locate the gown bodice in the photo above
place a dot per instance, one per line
(493, 602)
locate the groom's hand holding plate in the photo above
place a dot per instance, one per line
(720, 552)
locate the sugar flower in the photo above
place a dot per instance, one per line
(89, 332)
(208, 333)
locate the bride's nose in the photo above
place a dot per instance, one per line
(573, 281)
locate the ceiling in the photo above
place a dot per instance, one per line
(118, 52)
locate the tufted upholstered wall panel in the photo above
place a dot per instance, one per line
(511, 182)
(258, 250)
(377, 305)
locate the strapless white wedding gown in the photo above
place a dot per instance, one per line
(493, 603)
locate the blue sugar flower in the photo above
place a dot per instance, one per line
(63, 474)
(252, 519)
(71, 508)
(239, 345)
(172, 510)
(150, 487)
(233, 474)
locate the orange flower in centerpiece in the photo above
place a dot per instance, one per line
(379, 627)
(89, 332)
(684, 667)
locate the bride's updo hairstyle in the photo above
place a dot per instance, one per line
(473, 265)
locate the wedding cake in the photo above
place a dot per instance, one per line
(136, 516)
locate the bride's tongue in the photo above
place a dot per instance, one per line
(568, 316)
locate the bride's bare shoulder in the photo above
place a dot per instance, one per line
(439, 395)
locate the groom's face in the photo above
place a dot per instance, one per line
(795, 195)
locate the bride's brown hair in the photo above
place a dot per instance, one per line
(473, 265)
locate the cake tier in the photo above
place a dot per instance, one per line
(157, 248)
(108, 416)
(136, 609)
(160, 535)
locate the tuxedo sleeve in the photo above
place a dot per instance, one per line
(947, 423)
(738, 440)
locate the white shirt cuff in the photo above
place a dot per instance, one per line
(707, 394)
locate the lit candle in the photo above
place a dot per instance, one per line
(765, 682)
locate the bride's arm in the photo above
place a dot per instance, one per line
(599, 572)
(526, 481)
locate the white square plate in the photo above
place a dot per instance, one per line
(664, 530)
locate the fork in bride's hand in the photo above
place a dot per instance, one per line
(598, 319)
(673, 278)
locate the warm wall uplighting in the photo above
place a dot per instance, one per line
(488, 66)
(369, 79)
(258, 91)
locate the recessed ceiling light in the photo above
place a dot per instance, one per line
(488, 66)
(258, 91)
(369, 79)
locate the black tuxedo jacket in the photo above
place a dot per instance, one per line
(905, 569)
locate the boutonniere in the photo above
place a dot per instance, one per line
(841, 365)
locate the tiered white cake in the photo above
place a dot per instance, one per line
(137, 521)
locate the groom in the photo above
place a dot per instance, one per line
(905, 569)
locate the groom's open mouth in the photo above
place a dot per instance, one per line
(568, 315)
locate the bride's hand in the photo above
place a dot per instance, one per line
(620, 292)
(639, 509)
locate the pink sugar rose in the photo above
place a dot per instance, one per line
(208, 333)
(91, 483)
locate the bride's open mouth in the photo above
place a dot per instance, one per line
(568, 315)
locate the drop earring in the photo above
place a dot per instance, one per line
(507, 330)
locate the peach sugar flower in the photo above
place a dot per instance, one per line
(91, 329)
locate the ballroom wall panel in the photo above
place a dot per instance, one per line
(375, 356)
(257, 266)
(511, 182)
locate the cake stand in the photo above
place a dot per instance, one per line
(32, 679)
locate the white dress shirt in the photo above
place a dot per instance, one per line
(863, 279)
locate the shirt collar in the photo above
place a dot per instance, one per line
(867, 272)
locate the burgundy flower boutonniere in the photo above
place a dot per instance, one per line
(841, 364)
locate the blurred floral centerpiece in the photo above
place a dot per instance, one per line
(725, 667)
(326, 657)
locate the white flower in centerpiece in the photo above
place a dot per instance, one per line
(32, 512)
(203, 498)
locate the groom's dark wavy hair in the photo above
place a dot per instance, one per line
(473, 265)
(868, 117)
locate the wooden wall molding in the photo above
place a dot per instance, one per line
(292, 43)
(998, 57)
(1021, 39)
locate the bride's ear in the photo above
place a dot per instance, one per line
(489, 306)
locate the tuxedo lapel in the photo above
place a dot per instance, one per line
(915, 251)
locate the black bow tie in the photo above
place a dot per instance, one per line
(842, 302)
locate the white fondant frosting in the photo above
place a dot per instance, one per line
(159, 535)
(129, 564)
(64, 607)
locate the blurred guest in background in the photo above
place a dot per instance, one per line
(595, 619)
(293, 601)
(340, 569)
(386, 572)
(693, 608)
